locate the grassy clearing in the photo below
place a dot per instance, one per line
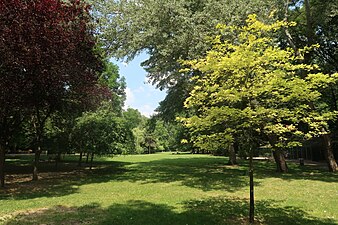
(167, 189)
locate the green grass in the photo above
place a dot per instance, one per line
(166, 189)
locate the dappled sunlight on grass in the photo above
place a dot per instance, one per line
(167, 189)
(211, 211)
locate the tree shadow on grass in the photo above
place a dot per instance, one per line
(202, 173)
(205, 173)
(204, 212)
(53, 182)
(266, 169)
(212, 173)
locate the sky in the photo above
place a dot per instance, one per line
(140, 94)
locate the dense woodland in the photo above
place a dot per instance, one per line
(240, 76)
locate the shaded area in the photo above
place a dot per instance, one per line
(205, 173)
(202, 173)
(266, 169)
(205, 212)
(54, 182)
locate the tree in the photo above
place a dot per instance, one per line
(103, 132)
(47, 52)
(318, 24)
(111, 79)
(134, 118)
(169, 31)
(251, 87)
(254, 85)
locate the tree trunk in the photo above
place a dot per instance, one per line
(252, 198)
(279, 157)
(332, 164)
(36, 163)
(87, 159)
(310, 33)
(91, 161)
(80, 160)
(232, 155)
(2, 165)
(286, 29)
(57, 159)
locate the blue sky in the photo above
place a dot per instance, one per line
(140, 94)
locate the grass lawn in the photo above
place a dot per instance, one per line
(166, 189)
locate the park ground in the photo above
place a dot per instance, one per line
(166, 188)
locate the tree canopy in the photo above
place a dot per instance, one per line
(251, 86)
(48, 62)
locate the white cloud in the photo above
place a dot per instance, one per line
(130, 98)
(142, 98)
(146, 110)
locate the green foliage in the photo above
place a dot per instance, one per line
(169, 31)
(139, 134)
(134, 118)
(110, 78)
(252, 87)
(318, 24)
(103, 132)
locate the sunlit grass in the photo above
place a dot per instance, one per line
(169, 188)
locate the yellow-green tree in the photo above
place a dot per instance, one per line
(251, 87)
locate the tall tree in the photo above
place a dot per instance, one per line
(318, 23)
(47, 50)
(169, 31)
(254, 87)
(111, 79)
(103, 132)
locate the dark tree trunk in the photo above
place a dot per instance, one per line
(57, 159)
(2, 165)
(279, 157)
(332, 164)
(80, 160)
(38, 123)
(87, 159)
(36, 163)
(287, 32)
(252, 196)
(232, 155)
(91, 161)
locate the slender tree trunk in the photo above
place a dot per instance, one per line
(87, 159)
(57, 159)
(2, 165)
(287, 32)
(80, 160)
(310, 33)
(279, 157)
(232, 155)
(91, 161)
(252, 195)
(332, 164)
(36, 163)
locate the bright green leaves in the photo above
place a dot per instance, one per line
(253, 84)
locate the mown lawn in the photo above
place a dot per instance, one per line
(166, 189)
